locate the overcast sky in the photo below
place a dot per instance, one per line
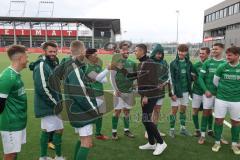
(141, 20)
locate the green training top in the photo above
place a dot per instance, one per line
(183, 69)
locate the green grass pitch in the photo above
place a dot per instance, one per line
(124, 149)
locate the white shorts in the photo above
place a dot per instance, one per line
(85, 131)
(12, 141)
(181, 101)
(124, 101)
(222, 107)
(196, 101)
(51, 123)
(208, 103)
(101, 104)
(159, 102)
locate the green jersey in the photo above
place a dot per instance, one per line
(229, 83)
(97, 86)
(207, 73)
(14, 115)
(124, 84)
(183, 71)
(196, 86)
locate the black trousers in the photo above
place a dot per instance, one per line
(151, 128)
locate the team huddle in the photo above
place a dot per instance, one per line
(76, 86)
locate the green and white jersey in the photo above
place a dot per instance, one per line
(183, 70)
(207, 73)
(97, 86)
(229, 83)
(196, 89)
(14, 116)
(124, 84)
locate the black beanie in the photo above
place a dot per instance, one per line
(91, 51)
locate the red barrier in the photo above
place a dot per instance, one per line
(65, 50)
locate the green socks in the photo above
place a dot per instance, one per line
(126, 122)
(235, 133)
(98, 126)
(195, 121)
(218, 128)
(77, 146)
(114, 122)
(82, 153)
(172, 121)
(210, 122)
(204, 123)
(182, 119)
(57, 141)
(43, 144)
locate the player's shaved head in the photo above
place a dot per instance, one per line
(76, 47)
(219, 45)
(15, 50)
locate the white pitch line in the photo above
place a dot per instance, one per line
(29, 89)
(225, 122)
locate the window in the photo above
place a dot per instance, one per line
(221, 14)
(237, 26)
(213, 16)
(236, 8)
(225, 12)
(217, 15)
(230, 10)
(230, 27)
(209, 18)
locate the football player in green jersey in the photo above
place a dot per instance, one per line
(196, 89)
(227, 81)
(98, 76)
(206, 82)
(13, 103)
(181, 80)
(123, 90)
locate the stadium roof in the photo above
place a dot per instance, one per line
(113, 24)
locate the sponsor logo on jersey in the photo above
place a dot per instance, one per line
(183, 71)
(212, 70)
(231, 77)
(21, 91)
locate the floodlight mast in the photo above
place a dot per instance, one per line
(17, 7)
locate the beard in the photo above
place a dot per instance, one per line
(52, 58)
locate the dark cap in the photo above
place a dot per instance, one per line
(91, 51)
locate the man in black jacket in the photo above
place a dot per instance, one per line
(148, 90)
